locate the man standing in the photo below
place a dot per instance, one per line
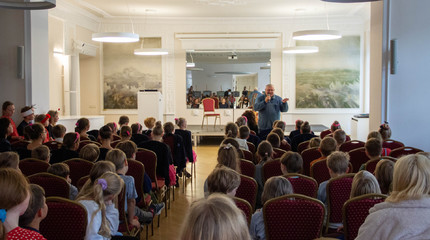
(269, 107)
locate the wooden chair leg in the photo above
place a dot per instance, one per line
(203, 120)
(152, 228)
(158, 224)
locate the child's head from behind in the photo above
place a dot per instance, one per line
(337, 163)
(223, 180)
(149, 122)
(117, 157)
(327, 146)
(281, 125)
(106, 132)
(364, 183)
(335, 126)
(374, 134)
(227, 156)
(158, 129)
(83, 124)
(58, 131)
(9, 160)
(279, 132)
(385, 131)
(181, 122)
(235, 144)
(315, 142)
(305, 128)
(298, 124)
(244, 132)
(136, 128)
(99, 168)
(384, 174)
(36, 208)
(35, 131)
(274, 140)
(128, 147)
(60, 169)
(90, 152)
(218, 216)
(71, 141)
(125, 132)
(291, 162)
(340, 136)
(123, 120)
(264, 150)
(231, 130)
(276, 187)
(42, 152)
(168, 128)
(373, 147)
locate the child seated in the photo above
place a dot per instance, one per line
(123, 121)
(68, 149)
(327, 146)
(105, 134)
(377, 135)
(58, 132)
(44, 120)
(274, 187)
(63, 170)
(232, 131)
(125, 133)
(384, 174)
(315, 142)
(340, 136)
(9, 160)
(149, 124)
(284, 143)
(90, 152)
(223, 180)
(82, 127)
(364, 183)
(6, 129)
(291, 162)
(28, 114)
(42, 152)
(36, 211)
(305, 135)
(373, 148)
(264, 154)
(98, 169)
(274, 140)
(337, 164)
(136, 134)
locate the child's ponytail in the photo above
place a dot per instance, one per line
(100, 186)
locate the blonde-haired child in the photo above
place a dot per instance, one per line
(364, 183)
(223, 180)
(384, 174)
(274, 187)
(9, 160)
(103, 217)
(42, 152)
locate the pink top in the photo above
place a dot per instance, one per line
(20, 233)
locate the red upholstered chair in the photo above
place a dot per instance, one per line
(245, 207)
(351, 145)
(358, 157)
(53, 145)
(85, 142)
(82, 138)
(285, 146)
(114, 143)
(30, 166)
(115, 137)
(247, 190)
(66, 220)
(248, 155)
(392, 144)
(124, 226)
(303, 184)
(293, 217)
(319, 171)
(302, 146)
(251, 147)
(270, 169)
(277, 152)
(355, 211)
(371, 164)
(149, 159)
(137, 171)
(308, 156)
(325, 133)
(398, 152)
(209, 111)
(81, 182)
(78, 168)
(338, 191)
(53, 185)
(247, 168)
(19, 144)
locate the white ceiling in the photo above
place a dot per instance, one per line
(192, 8)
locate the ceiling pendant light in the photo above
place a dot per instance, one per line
(191, 64)
(300, 49)
(35, 5)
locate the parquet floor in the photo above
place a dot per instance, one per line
(170, 227)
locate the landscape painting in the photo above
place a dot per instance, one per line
(331, 77)
(124, 73)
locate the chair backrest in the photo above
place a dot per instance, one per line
(251, 147)
(277, 152)
(319, 171)
(325, 133)
(351, 145)
(308, 156)
(302, 146)
(78, 168)
(392, 144)
(247, 168)
(170, 141)
(247, 190)
(357, 157)
(53, 185)
(137, 171)
(371, 164)
(303, 184)
(248, 155)
(30, 166)
(216, 102)
(208, 105)
(123, 227)
(270, 169)
(19, 144)
(81, 182)
(402, 151)
(114, 143)
(149, 159)
(338, 192)
(53, 145)
(85, 142)
(245, 207)
(303, 216)
(66, 220)
(355, 211)
(115, 137)
(285, 146)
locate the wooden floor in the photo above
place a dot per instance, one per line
(170, 227)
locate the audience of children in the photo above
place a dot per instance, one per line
(216, 218)
(27, 114)
(405, 213)
(82, 127)
(5, 130)
(68, 149)
(274, 187)
(232, 131)
(327, 146)
(90, 152)
(384, 174)
(42, 152)
(305, 135)
(37, 209)
(105, 135)
(223, 180)
(63, 170)
(14, 201)
(58, 132)
(37, 134)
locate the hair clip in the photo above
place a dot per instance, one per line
(114, 124)
(77, 124)
(77, 137)
(103, 183)
(110, 128)
(266, 154)
(227, 146)
(246, 119)
(3, 215)
(176, 119)
(138, 127)
(336, 124)
(128, 133)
